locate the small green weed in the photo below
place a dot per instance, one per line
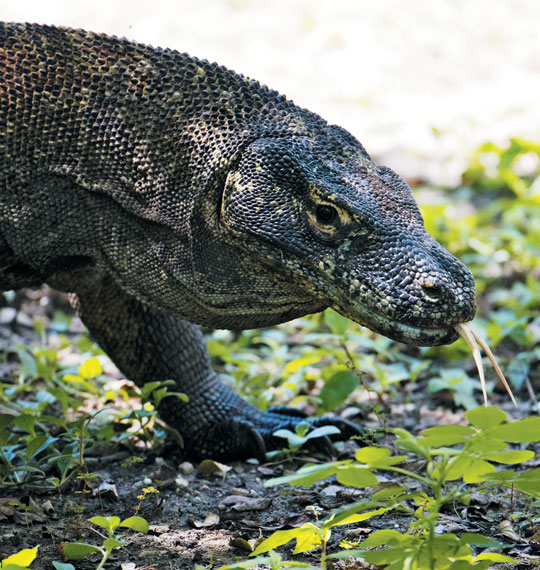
(43, 433)
(297, 439)
(146, 491)
(78, 550)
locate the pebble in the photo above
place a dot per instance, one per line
(181, 482)
(7, 315)
(186, 468)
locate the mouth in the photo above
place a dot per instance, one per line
(426, 336)
(402, 332)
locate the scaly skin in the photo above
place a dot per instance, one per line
(167, 192)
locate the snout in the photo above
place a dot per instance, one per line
(420, 303)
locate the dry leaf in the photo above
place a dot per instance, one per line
(211, 519)
(209, 466)
(507, 530)
(242, 544)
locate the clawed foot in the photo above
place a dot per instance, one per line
(252, 435)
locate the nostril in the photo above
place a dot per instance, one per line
(433, 292)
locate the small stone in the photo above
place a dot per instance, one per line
(24, 320)
(232, 500)
(7, 315)
(181, 482)
(159, 528)
(332, 490)
(186, 468)
(351, 412)
(240, 491)
(260, 504)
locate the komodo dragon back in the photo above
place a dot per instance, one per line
(167, 192)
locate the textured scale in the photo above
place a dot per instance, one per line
(167, 192)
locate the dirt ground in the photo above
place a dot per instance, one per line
(237, 504)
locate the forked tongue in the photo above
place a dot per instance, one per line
(473, 339)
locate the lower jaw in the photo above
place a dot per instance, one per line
(402, 332)
(424, 337)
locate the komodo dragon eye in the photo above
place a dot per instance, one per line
(325, 214)
(328, 223)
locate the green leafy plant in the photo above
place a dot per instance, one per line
(29, 451)
(25, 446)
(312, 535)
(273, 560)
(44, 449)
(416, 552)
(146, 491)
(302, 435)
(78, 550)
(144, 419)
(456, 458)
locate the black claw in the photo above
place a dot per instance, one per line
(285, 411)
(326, 447)
(251, 442)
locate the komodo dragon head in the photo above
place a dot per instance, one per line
(350, 232)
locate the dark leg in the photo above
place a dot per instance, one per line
(149, 345)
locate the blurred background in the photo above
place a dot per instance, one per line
(420, 84)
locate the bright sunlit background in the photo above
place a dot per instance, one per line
(420, 83)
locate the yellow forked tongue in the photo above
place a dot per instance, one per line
(471, 337)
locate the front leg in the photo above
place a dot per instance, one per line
(149, 345)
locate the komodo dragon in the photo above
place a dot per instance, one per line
(167, 192)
